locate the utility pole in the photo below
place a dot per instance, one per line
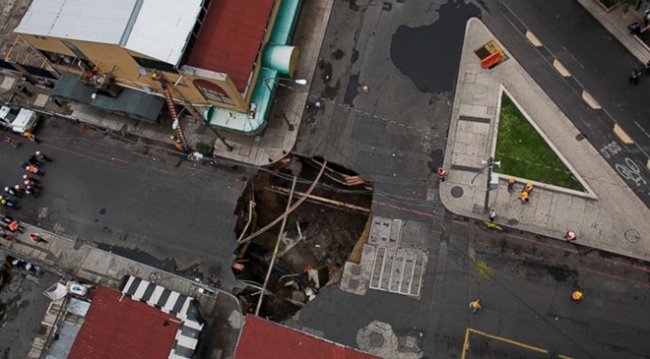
(490, 163)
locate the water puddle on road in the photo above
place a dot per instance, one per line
(430, 55)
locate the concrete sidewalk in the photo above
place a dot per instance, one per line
(616, 22)
(84, 262)
(609, 216)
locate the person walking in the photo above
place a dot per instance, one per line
(42, 156)
(30, 178)
(32, 190)
(492, 215)
(33, 160)
(576, 296)
(524, 197)
(511, 185)
(32, 137)
(475, 306)
(634, 77)
(12, 192)
(36, 238)
(570, 236)
(14, 226)
(442, 174)
(34, 170)
(19, 188)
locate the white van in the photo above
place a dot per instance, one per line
(18, 120)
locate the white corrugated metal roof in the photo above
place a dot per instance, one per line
(88, 20)
(163, 27)
(155, 28)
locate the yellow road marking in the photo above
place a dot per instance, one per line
(502, 339)
(622, 135)
(586, 96)
(533, 39)
(465, 343)
(561, 69)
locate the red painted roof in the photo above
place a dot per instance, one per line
(123, 330)
(262, 339)
(230, 37)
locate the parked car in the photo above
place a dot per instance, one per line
(18, 120)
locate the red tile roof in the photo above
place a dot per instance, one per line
(230, 37)
(125, 330)
(262, 339)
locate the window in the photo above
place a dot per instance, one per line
(155, 65)
(212, 91)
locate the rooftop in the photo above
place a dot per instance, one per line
(263, 339)
(123, 329)
(231, 37)
(155, 28)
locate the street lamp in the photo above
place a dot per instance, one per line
(301, 82)
(488, 164)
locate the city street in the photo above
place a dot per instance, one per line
(132, 198)
(393, 132)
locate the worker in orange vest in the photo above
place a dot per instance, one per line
(14, 226)
(511, 185)
(475, 306)
(442, 173)
(576, 296)
(524, 197)
(529, 187)
(35, 170)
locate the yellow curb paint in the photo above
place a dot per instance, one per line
(586, 96)
(533, 39)
(465, 344)
(622, 135)
(561, 69)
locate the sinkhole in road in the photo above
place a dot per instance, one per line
(324, 231)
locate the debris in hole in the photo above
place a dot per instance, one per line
(328, 228)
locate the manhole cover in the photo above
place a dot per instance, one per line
(457, 192)
(376, 340)
(632, 236)
(580, 137)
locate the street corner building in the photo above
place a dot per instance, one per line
(143, 321)
(218, 59)
(263, 339)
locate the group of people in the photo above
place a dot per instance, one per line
(525, 193)
(29, 186)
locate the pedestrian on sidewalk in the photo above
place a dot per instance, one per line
(33, 160)
(475, 306)
(30, 179)
(511, 185)
(34, 170)
(492, 215)
(442, 174)
(576, 296)
(36, 238)
(14, 226)
(570, 236)
(634, 77)
(42, 156)
(529, 188)
(524, 197)
(12, 192)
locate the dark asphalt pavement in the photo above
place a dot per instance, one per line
(132, 198)
(598, 63)
(394, 135)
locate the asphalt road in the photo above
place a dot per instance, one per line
(393, 134)
(598, 64)
(132, 198)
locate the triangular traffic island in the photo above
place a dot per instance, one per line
(525, 153)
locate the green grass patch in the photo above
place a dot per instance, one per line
(524, 153)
